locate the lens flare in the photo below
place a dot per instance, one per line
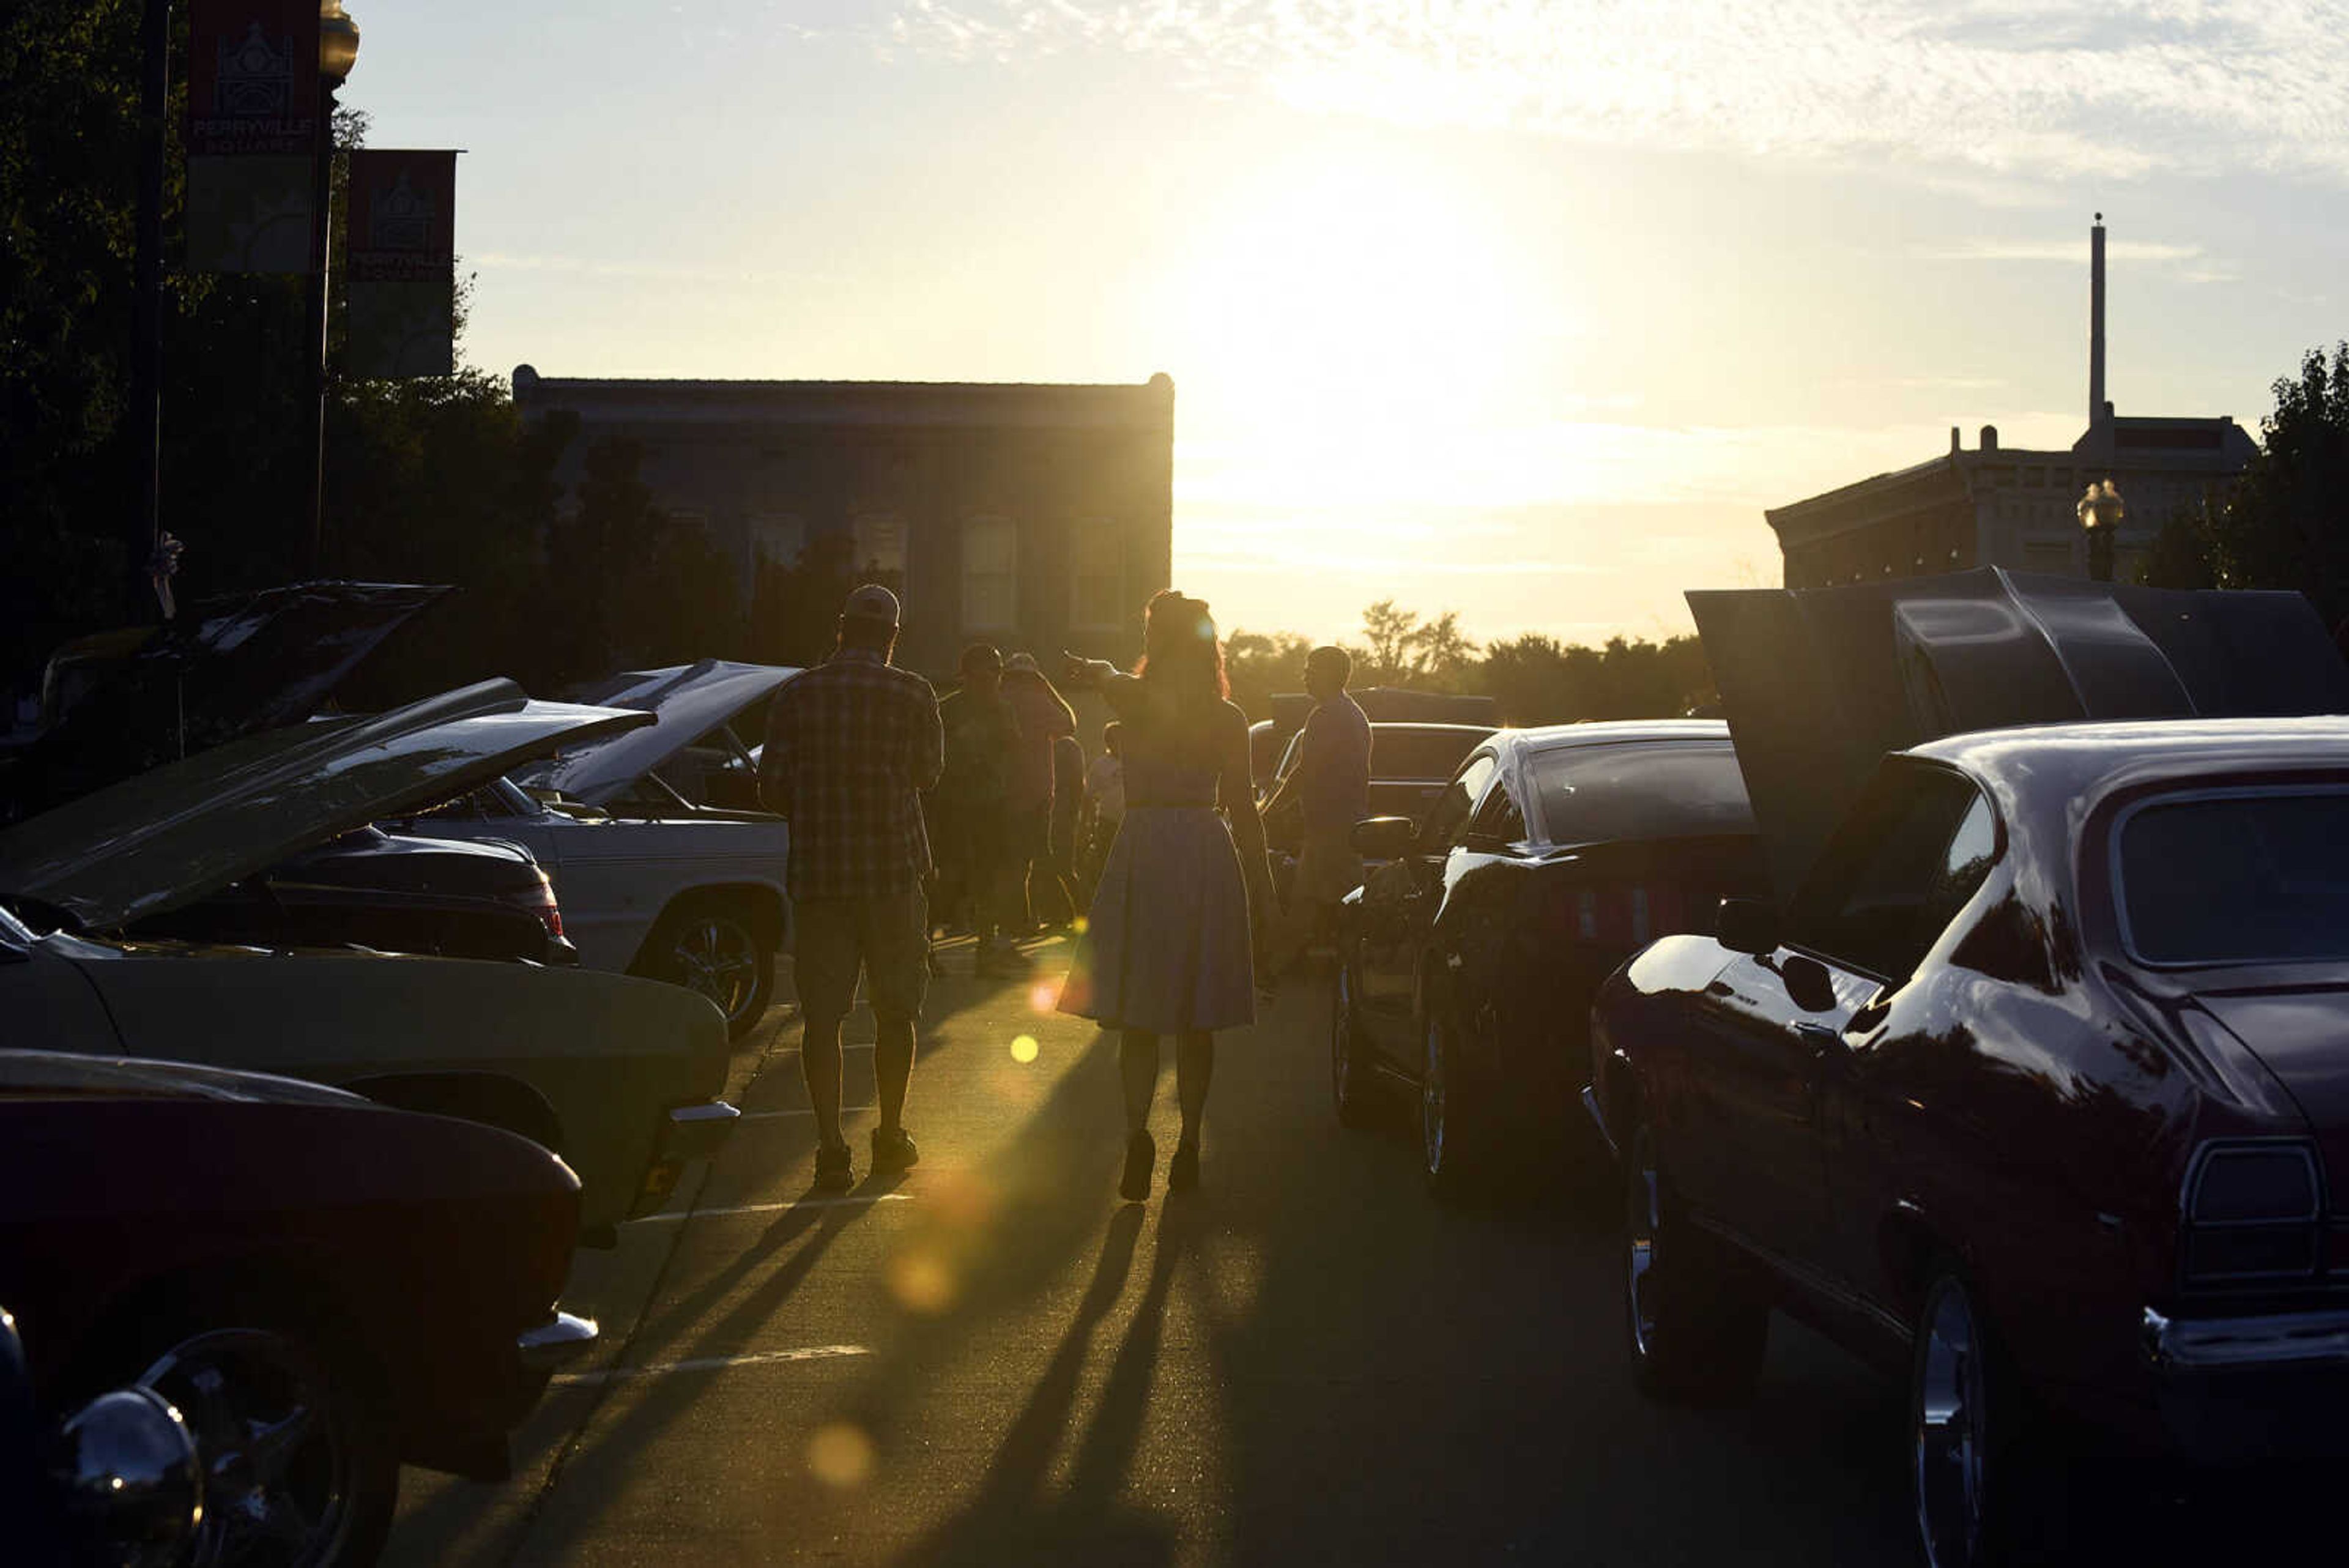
(1079, 925)
(921, 1282)
(1043, 996)
(841, 1455)
(1024, 1048)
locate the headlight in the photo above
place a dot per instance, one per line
(2254, 1211)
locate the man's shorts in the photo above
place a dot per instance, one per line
(1327, 866)
(887, 935)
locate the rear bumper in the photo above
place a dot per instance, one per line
(2234, 1390)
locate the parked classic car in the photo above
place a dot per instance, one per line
(1467, 960)
(618, 1076)
(652, 880)
(334, 1289)
(2034, 1088)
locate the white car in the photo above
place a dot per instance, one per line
(652, 879)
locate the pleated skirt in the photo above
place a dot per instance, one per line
(1166, 946)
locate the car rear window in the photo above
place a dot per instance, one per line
(1420, 753)
(2262, 876)
(1593, 792)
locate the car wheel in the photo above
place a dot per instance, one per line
(1964, 1433)
(1447, 1140)
(1349, 1085)
(300, 1469)
(1694, 1331)
(718, 951)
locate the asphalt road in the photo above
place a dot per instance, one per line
(992, 1360)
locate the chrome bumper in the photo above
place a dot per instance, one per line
(2220, 1343)
(561, 1340)
(697, 1131)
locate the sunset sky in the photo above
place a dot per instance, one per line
(1522, 309)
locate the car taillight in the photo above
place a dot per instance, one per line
(540, 901)
(2252, 1213)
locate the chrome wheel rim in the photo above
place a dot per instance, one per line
(1948, 1449)
(717, 957)
(1341, 1040)
(277, 1465)
(1642, 1208)
(1433, 1092)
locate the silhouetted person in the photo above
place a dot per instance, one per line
(851, 745)
(1057, 900)
(973, 795)
(1168, 948)
(1332, 782)
(1104, 809)
(1043, 717)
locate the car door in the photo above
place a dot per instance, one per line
(1769, 1061)
(1399, 904)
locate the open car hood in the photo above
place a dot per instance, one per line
(32, 1073)
(229, 667)
(1820, 683)
(177, 833)
(686, 702)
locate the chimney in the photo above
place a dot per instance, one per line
(1953, 440)
(1990, 438)
(2097, 410)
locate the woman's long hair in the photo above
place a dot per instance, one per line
(1181, 654)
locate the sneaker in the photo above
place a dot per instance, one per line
(892, 1150)
(834, 1172)
(1182, 1170)
(1140, 1154)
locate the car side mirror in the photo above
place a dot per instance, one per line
(1384, 837)
(1747, 926)
(1808, 982)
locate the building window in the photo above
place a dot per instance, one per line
(1097, 581)
(990, 574)
(881, 546)
(777, 538)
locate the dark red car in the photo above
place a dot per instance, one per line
(2035, 1087)
(324, 1288)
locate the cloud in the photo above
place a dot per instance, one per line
(500, 261)
(2072, 252)
(2123, 89)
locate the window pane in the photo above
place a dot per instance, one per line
(1593, 794)
(1449, 815)
(2238, 880)
(990, 561)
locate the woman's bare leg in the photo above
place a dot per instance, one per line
(1194, 1068)
(1137, 1061)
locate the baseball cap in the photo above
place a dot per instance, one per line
(872, 602)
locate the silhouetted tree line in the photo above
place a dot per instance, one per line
(2284, 524)
(1536, 679)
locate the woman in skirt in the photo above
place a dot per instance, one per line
(1169, 947)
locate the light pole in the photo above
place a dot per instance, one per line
(338, 50)
(2100, 511)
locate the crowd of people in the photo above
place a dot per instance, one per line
(914, 816)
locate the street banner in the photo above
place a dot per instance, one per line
(252, 134)
(402, 269)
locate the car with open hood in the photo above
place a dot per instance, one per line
(619, 1076)
(2032, 1087)
(333, 1288)
(653, 876)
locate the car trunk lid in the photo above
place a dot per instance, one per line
(2301, 1034)
(686, 702)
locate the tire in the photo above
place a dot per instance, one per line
(1696, 1331)
(1349, 1088)
(1971, 1480)
(293, 1428)
(715, 948)
(1447, 1130)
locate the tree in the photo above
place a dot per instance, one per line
(1259, 664)
(1385, 656)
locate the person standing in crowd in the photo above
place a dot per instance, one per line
(1332, 783)
(851, 746)
(1043, 716)
(980, 737)
(1104, 809)
(1169, 947)
(1065, 903)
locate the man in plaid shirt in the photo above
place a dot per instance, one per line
(851, 746)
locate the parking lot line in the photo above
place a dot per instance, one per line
(783, 1115)
(846, 1201)
(716, 1363)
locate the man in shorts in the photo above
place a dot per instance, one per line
(1332, 783)
(851, 746)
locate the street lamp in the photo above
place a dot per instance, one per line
(338, 51)
(2100, 511)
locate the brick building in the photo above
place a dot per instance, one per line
(1035, 517)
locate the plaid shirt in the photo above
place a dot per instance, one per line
(851, 746)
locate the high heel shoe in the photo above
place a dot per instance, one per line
(1140, 1153)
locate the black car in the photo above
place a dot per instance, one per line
(1467, 961)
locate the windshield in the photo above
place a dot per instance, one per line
(1591, 793)
(2254, 877)
(1400, 752)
